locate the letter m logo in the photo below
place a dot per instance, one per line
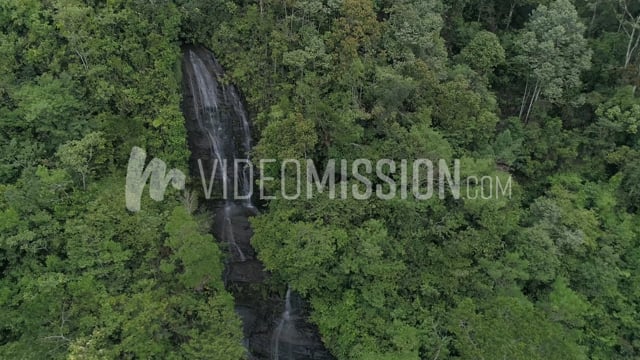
(137, 177)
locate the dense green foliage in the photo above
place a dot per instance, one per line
(539, 89)
(542, 90)
(80, 277)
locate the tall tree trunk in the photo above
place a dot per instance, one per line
(633, 33)
(524, 99)
(632, 45)
(534, 99)
(513, 6)
(593, 16)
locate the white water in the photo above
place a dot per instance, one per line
(228, 232)
(283, 326)
(207, 107)
(221, 116)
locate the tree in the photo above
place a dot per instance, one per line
(554, 52)
(630, 25)
(483, 53)
(510, 327)
(84, 156)
(414, 27)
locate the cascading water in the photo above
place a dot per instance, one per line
(216, 106)
(219, 131)
(283, 329)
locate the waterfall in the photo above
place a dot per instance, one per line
(284, 326)
(219, 130)
(228, 231)
(217, 108)
(287, 305)
(208, 111)
(221, 115)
